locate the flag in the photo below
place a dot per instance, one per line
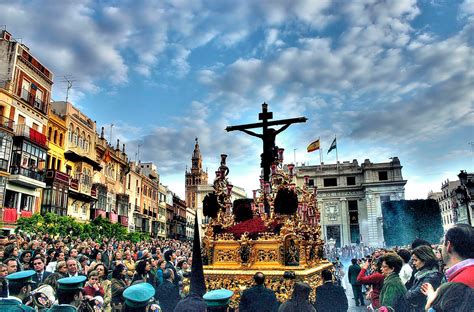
(313, 146)
(333, 146)
(107, 157)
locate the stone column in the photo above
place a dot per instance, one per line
(18, 203)
(372, 240)
(345, 227)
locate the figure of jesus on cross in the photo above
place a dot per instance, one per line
(268, 136)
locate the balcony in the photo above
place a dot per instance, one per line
(10, 215)
(57, 176)
(137, 208)
(6, 123)
(95, 213)
(123, 220)
(33, 101)
(113, 217)
(28, 177)
(31, 134)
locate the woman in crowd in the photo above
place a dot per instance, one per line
(159, 272)
(129, 264)
(118, 286)
(106, 284)
(25, 260)
(84, 262)
(375, 279)
(449, 297)
(97, 259)
(393, 291)
(143, 272)
(60, 272)
(425, 262)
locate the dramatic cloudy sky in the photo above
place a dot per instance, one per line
(389, 78)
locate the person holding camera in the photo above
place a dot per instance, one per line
(375, 279)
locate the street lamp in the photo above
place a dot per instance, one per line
(463, 193)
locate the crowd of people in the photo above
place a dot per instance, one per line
(123, 276)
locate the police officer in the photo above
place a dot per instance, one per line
(218, 300)
(69, 294)
(19, 287)
(137, 298)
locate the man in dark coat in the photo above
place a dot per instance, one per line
(170, 257)
(39, 265)
(108, 257)
(354, 270)
(168, 292)
(258, 298)
(329, 296)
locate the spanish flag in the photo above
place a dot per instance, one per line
(107, 157)
(313, 146)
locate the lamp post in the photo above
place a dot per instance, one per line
(463, 193)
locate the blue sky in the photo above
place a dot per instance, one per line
(389, 78)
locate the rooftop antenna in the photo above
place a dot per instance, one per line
(68, 79)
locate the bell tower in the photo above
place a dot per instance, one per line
(194, 178)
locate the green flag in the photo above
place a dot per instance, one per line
(333, 146)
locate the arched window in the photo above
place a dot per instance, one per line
(50, 130)
(71, 133)
(55, 136)
(61, 139)
(76, 137)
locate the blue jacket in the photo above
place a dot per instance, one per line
(331, 298)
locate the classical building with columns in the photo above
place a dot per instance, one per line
(350, 197)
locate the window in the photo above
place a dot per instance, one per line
(25, 90)
(330, 182)
(311, 182)
(383, 175)
(21, 119)
(50, 130)
(61, 139)
(76, 136)
(55, 136)
(351, 181)
(71, 133)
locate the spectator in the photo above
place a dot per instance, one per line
(97, 259)
(353, 272)
(108, 257)
(258, 298)
(330, 297)
(72, 267)
(393, 291)
(407, 270)
(60, 272)
(3, 281)
(129, 263)
(58, 256)
(168, 293)
(299, 300)
(12, 265)
(159, 272)
(118, 285)
(375, 279)
(105, 283)
(458, 254)
(41, 274)
(25, 260)
(426, 264)
(449, 297)
(93, 287)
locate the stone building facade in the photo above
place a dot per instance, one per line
(350, 197)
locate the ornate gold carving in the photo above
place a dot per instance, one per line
(226, 256)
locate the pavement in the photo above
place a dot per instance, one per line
(348, 288)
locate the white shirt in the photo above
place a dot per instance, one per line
(405, 273)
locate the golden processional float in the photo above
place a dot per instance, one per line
(277, 232)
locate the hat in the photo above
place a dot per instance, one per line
(218, 297)
(198, 285)
(22, 277)
(138, 295)
(71, 283)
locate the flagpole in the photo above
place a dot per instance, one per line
(337, 158)
(320, 159)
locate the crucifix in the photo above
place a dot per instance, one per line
(268, 136)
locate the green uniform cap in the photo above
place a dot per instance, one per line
(22, 277)
(218, 297)
(138, 295)
(71, 283)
